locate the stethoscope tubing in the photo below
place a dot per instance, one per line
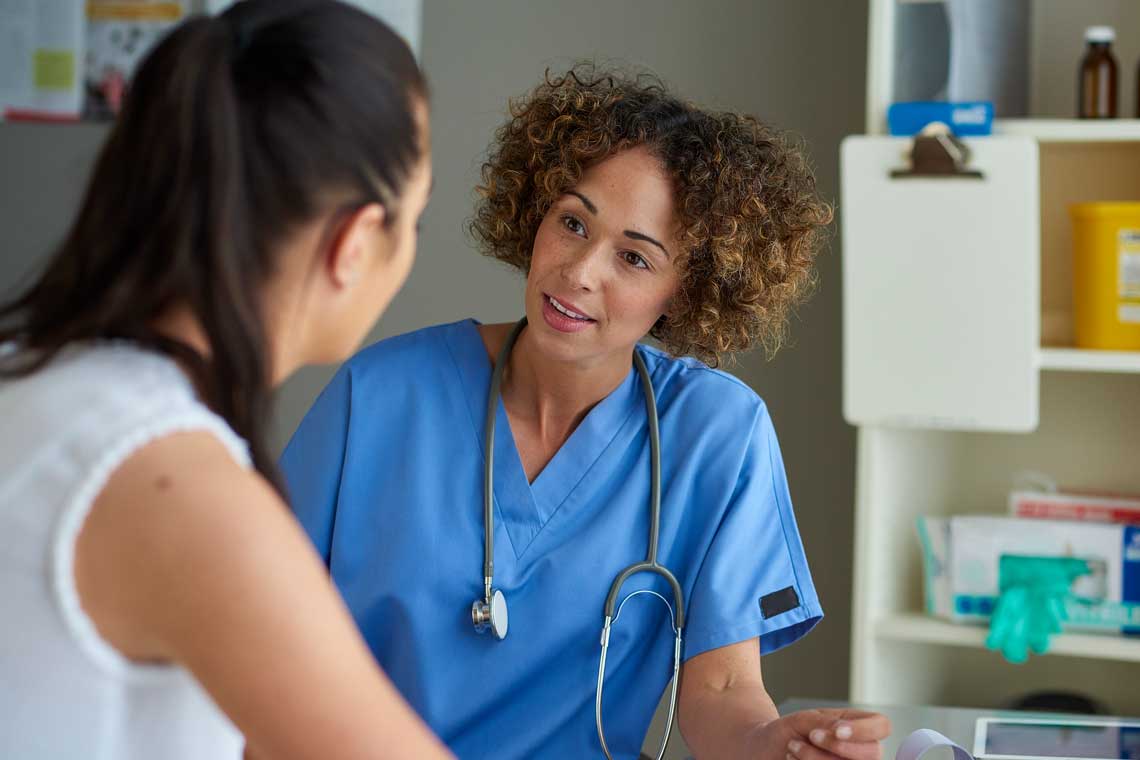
(650, 565)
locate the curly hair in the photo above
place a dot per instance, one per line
(751, 221)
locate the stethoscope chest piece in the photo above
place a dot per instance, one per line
(491, 616)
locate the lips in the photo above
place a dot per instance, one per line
(563, 317)
(568, 309)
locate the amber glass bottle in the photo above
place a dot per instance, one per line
(1096, 84)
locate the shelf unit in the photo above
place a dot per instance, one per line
(959, 369)
(1076, 360)
(1070, 130)
(913, 627)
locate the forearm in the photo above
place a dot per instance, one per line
(724, 724)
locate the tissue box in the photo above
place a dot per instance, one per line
(961, 557)
(1076, 505)
(964, 119)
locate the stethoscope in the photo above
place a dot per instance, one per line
(490, 612)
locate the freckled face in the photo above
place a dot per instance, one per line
(602, 272)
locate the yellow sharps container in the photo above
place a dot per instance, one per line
(1106, 275)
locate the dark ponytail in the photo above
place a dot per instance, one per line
(236, 129)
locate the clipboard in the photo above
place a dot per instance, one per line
(941, 283)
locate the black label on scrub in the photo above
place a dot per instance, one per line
(779, 602)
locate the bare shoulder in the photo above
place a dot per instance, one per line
(181, 466)
(188, 557)
(180, 502)
(180, 481)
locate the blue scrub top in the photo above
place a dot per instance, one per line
(386, 475)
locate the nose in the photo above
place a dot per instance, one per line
(583, 268)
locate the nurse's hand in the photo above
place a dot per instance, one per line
(826, 734)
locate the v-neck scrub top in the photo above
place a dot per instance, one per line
(386, 475)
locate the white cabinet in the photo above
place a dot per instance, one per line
(959, 369)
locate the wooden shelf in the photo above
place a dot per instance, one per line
(1071, 130)
(1081, 360)
(914, 627)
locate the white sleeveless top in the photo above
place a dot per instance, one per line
(64, 691)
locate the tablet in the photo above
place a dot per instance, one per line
(1059, 738)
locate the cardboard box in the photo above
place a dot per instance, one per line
(961, 556)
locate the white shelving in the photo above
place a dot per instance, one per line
(958, 314)
(914, 627)
(1078, 360)
(1071, 130)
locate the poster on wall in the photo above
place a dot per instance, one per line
(62, 60)
(41, 55)
(119, 34)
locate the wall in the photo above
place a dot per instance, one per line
(43, 170)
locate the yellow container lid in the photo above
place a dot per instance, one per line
(1105, 209)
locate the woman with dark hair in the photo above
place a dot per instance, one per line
(631, 213)
(253, 210)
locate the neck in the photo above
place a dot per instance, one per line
(555, 396)
(179, 323)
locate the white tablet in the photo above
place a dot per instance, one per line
(1059, 738)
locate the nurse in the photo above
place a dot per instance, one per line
(631, 213)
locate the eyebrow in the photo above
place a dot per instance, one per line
(632, 234)
(589, 204)
(638, 236)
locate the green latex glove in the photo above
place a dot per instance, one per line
(1031, 607)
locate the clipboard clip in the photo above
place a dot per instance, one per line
(936, 152)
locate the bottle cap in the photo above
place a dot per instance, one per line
(1100, 34)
